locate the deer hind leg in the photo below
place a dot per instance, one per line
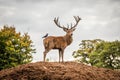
(45, 53)
(62, 53)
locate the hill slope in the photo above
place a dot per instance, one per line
(58, 71)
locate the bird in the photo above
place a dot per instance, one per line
(45, 36)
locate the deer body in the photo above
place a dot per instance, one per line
(59, 42)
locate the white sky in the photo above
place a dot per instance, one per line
(100, 20)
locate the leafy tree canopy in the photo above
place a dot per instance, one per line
(15, 49)
(99, 53)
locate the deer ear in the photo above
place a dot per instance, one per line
(73, 29)
(65, 29)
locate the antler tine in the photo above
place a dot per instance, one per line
(68, 26)
(71, 25)
(57, 19)
(58, 23)
(77, 19)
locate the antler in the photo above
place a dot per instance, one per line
(77, 19)
(58, 23)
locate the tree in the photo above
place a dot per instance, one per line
(107, 55)
(15, 49)
(104, 54)
(86, 47)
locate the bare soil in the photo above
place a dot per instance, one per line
(58, 71)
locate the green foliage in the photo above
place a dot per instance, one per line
(86, 47)
(15, 49)
(103, 54)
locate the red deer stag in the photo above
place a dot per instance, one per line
(60, 42)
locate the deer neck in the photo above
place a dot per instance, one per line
(68, 39)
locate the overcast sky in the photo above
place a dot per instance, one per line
(100, 20)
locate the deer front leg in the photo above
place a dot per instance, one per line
(59, 55)
(44, 56)
(62, 53)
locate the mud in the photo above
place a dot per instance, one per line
(58, 71)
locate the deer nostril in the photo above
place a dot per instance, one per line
(71, 34)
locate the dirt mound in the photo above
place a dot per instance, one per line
(58, 71)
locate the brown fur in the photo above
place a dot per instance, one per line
(59, 42)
